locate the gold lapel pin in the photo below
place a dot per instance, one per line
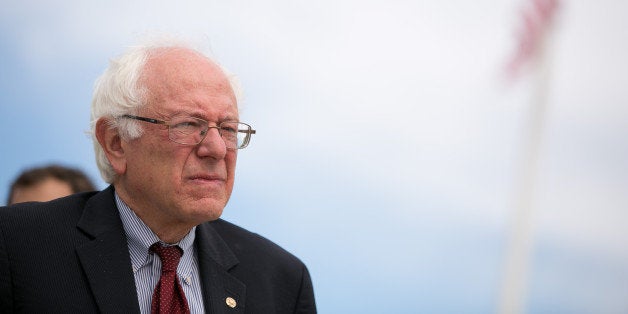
(231, 302)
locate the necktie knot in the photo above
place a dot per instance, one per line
(169, 256)
(168, 297)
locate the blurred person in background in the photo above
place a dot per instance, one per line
(166, 132)
(46, 183)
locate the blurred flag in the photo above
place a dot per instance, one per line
(536, 21)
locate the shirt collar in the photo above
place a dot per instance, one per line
(140, 238)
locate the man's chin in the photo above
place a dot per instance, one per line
(203, 211)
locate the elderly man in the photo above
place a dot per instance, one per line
(167, 133)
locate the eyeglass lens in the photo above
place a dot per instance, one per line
(191, 131)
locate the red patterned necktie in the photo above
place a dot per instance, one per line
(168, 297)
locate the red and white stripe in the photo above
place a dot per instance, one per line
(537, 17)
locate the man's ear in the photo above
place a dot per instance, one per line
(111, 143)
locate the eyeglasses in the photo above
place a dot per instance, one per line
(191, 131)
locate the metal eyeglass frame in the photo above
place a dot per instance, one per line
(204, 132)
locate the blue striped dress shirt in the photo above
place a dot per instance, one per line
(147, 266)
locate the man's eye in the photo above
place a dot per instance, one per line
(186, 127)
(186, 124)
(229, 129)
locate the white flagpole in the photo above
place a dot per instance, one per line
(520, 246)
(518, 255)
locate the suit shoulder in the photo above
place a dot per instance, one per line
(37, 213)
(249, 244)
(276, 281)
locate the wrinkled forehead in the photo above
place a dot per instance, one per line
(173, 71)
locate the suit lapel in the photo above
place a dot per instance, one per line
(107, 265)
(222, 293)
(105, 259)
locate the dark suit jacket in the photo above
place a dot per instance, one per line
(71, 256)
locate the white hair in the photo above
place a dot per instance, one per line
(118, 91)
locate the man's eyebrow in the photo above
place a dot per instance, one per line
(200, 115)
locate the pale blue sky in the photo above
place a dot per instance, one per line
(388, 149)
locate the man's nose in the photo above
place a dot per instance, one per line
(212, 145)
